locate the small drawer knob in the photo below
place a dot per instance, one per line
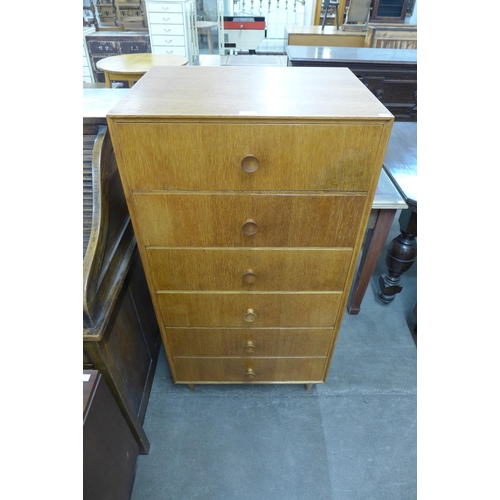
(250, 374)
(250, 227)
(249, 277)
(249, 347)
(250, 164)
(249, 316)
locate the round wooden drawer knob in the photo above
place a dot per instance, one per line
(250, 164)
(250, 227)
(249, 277)
(249, 316)
(249, 374)
(249, 347)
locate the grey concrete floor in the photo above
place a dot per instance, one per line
(352, 438)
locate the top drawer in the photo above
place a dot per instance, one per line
(215, 156)
(164, 7)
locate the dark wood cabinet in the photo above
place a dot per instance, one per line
(103, 44)
(390, 74)
(109, 448)
(389, 10)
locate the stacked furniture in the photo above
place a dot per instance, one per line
(172, 28)
(249, 189)
(120, 334)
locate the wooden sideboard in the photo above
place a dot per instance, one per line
(390, 74)
(249, 190)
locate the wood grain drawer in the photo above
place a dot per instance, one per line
(254, 342)
(236, 369)
(217, 220)
(227, 309)
(294, 157)
(249, 269)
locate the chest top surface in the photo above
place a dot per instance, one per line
(249, 93)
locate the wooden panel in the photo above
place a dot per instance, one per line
(234, 342)
(216, 220)
(293, 309)
(293, 157)
(234, 369)
(228, 269)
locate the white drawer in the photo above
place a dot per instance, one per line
(168, 41)
(162, 49)
(157, 18)
(166, 29)
(164, 7)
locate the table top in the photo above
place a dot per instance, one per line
(351, 54)
(205, 24)
(139, 63)
(400, 160)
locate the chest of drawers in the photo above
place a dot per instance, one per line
(249, 189)
(172, 28)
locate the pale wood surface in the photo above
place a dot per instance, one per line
(271, 370)
(330, 36)
(174, 92)
(231, 342)
(332, 151)
(275, 269)
(226, 309)
(215, 220)
(179, 135)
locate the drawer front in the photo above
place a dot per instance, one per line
(162, 49)
(222, 157)
(254, 342)
(251, 269)
(225, 220)
(168, 40)
(239, 370)
(164, 7)
(166, 30)
(249, 309)
(167, 18)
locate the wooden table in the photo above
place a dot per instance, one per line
(400, 164)
(131, 67)
(386, 203)
(390, 74)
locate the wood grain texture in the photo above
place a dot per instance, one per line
(216, 219)
(210, 370)
(274, 269)
(292, 157)
(277, 342)
(226, 309)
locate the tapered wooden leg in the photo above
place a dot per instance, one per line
(191, 387)
(309, 387)
(372, 249)
(401, 255)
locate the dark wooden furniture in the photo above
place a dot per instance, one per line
(120, 334)
(390, 74)
(389, 10)
(103, 44)
(401, 165)
(109, 448)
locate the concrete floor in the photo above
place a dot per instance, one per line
(352, 438)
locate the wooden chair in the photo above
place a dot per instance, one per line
(391, 36)
(329, 4)
(357, 15)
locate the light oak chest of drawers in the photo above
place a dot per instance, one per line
(249, 190)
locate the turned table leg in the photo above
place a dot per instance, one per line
(401, 255)
(309, 387)
(372, 249)
(191, 387)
